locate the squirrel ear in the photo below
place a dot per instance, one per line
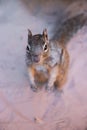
(29, 33)
(45, 34)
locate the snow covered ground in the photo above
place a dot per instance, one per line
(19, 105)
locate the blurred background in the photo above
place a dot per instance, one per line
(18, 104)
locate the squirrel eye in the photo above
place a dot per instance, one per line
(28, 48)
(45, 47)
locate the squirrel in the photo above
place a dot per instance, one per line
(48, 60)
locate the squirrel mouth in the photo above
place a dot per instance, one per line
(36, 58)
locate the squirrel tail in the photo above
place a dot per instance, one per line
(69, 27)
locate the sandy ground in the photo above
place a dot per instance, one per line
(20, 107)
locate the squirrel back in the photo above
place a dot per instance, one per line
(69, 27)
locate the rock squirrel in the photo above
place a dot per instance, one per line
(48, 60)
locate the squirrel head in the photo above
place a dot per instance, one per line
(38, 45)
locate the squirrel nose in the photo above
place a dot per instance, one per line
(36, 58)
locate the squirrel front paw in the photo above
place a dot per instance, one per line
(53, 88)
(50, 88)
(34, 87)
